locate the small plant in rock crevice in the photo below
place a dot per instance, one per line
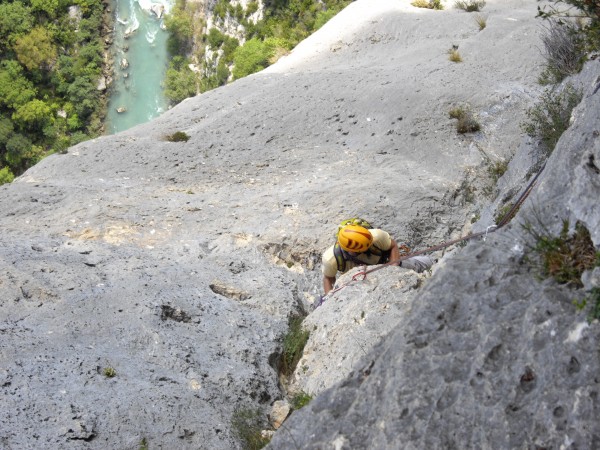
(247, 425)
(466, 122)
(293, 346)
(481, 21)
(454, 55)
(300, 400)
(470, 5)
(178, 136)
(564, 257)
(109, 372)
(143, 444)
(551, 116)
(502, 212)
(497, 169)
(593, 300)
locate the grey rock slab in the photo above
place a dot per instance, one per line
(490, 354)
(108, 252)
(349, 323)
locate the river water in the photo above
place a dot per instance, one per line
(140, 61)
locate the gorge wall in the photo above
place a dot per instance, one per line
(174, 267)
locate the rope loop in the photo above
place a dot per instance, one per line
(361, 275)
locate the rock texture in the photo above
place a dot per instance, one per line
(489, 355)
(146, 285)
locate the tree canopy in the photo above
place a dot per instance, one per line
(50, 64)
(35, 49)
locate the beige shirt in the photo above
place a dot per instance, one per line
(381, 240)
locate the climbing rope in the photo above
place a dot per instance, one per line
(362, 274)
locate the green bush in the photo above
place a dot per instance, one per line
(502, 212)
(565, 257)
(497, 169)
(109, 372)
(215, 38)
(551, 116)
(180, 26)
(593, 300)
(178, 136)
(300, 400)
(323, 17)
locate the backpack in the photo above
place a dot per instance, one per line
(341, 257)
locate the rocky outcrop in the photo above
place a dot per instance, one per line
(489, 355)
(147, 285)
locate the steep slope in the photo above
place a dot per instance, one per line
(490, 354)
(178, 264)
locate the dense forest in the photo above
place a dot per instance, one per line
(221, 57)
(51, 60)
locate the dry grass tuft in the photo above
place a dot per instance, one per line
(454, 55)
(481, 20)
(563, 51)
(466, 122)
(470, 5)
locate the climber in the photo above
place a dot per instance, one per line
(357, 246)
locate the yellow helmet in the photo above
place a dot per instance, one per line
(354, 238)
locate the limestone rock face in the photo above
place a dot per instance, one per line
(146, 286)
(489, 355)
(351, 322)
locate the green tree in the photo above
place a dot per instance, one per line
(15, 20)
(87, 5)
(90, 26)
(47, 6)
(6, 130)
(34, 114)
(35, 49)
(15, 88)
(180, 81)
(251, 57)
(83, 95)
(229, 47)
(6, 176)
(18, 149)
(179, 24)
(215, 38)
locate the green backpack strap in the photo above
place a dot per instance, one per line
(339, 257)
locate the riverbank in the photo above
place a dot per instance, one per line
(105, 81)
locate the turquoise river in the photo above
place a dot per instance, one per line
(140, 57)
